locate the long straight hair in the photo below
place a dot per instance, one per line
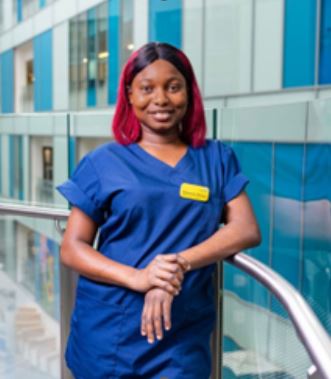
(126, 127)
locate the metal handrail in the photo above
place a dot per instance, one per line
(311, 332)
(34, 211)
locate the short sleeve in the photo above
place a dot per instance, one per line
(82, 190)
(234, 180)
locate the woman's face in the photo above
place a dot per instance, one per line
(158, 95)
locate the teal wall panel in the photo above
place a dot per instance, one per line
(256, 163)
(19, 10)
(165, 21)
(325, 44)
(72, 154)
(316, 285)
(7, 81)
(43, 71)
(299, 43)
(92, 64)
(114, 57)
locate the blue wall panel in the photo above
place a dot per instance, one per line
(72, 154)
(1, 169)
(325, 44)
(91, 96)
(43, 71)
(19, 10)
(165, 21)
(299, 43)
(316, 285)
(256, 163)
(11, 160)
(7, 81)
(288, 211)
(114, 57)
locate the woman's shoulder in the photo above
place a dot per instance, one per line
(106, 150)
(216, 146)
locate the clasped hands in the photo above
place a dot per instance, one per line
(161, 280)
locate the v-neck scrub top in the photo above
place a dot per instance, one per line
(135, 199)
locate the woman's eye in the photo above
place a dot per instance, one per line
(174, 87)
(146, 89)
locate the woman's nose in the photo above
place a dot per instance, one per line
(160, 97)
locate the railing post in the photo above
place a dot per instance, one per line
(216, 341)
(68, 285)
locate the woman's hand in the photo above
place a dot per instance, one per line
(156, 315)
(165, 271)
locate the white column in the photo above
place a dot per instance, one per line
(61, 66)
(192, 35)
(228, 32)
(140, 23)
(8, 15)
(268, 56)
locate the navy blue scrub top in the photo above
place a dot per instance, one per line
(135, 199)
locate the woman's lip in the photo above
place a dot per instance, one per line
(161, 116)
(168, 111)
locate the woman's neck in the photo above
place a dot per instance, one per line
(164, 140)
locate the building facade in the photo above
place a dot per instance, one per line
(264, 69)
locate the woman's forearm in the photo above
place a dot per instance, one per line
(84, 259)
(226, 241)
(164, 271)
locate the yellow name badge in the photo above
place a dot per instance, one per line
(194, 192)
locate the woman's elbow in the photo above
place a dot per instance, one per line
(255, 237)
(65, 254)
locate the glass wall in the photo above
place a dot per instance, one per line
(258, 343)
(24, 77)
(285, 150)
(29, 299)
(93, 48)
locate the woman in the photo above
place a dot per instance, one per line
(144, 305)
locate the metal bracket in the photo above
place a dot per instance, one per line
(312, 373)
(58, 227)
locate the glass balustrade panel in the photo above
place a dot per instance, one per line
(29, 298)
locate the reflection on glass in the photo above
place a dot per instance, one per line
(127, 31)
(259, 341)
(24, 77)
(29, 299)
(73, 63)
(16, 173)
(89, 54)
(102, 55)
(29, 7)
(82, 62)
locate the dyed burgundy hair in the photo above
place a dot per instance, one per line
(126, 127)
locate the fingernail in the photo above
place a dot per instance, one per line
(159, 337)
(167, 327)
(143, 333)
(150, 340)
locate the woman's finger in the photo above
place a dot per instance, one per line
(185, 264)
(170, 278)
(163, 284)
(143, 321)
(157, 319)
(166, 310)
(149, 323)
(172, 267)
